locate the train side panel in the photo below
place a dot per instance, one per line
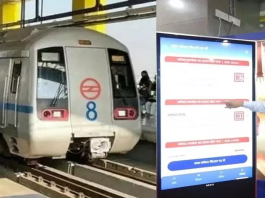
(18, 107)
(5, 70)
(15, 108)
(4, 75)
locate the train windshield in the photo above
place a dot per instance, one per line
(123, 83)
(52, 82)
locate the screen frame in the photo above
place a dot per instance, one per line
(239, 188)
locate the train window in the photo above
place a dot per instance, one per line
(123, 83)
(16, 73)
(52, 81)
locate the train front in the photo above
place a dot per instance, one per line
(104, 113)
(93, 90)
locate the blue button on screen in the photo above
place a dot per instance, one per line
(207, 162)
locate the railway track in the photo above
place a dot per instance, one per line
(121, 175)
(126, 170)
(138, 164)
(132, 173)
(129, 165)
(54, 183)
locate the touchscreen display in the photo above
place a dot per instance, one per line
(202, 142)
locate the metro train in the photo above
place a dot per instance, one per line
(66, 90)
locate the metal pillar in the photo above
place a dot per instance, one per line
(10, 11)
(82, 4)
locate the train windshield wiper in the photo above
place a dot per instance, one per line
(57, 95)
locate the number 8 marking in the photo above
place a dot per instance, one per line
(91, 113)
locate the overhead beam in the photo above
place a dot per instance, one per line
(107, 7)
(118, 16)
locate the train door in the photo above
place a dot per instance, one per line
(13, 93)
(90, 92)
(4, 87)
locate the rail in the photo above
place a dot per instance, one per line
(54, 183)
(126, 170)
(120, 177)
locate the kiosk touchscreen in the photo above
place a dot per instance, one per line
(204, 149)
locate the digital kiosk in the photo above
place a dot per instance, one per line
(205, 150)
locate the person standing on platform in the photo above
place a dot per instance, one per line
(145, 79)
(144, 90)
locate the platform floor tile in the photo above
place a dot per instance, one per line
(10, 189)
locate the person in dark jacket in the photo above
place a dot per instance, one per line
(145, 79)
(144, 92)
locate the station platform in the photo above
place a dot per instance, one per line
(149, 123)
(149, 129)
(10, 189)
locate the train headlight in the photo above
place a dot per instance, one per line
(132, 113)
(55, 115)
(46, 114)
(121, 113)
(125, 113)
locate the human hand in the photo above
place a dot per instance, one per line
(233, 104)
